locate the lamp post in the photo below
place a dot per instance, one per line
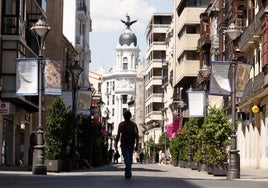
(234, 158)
(40, 30)
(108, 129)
(76, 70)
(205, 73)
(100, 103)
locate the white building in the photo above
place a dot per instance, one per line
(118, 85)
(154, 71)
(82, 30)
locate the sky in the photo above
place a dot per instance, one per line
(107, 27)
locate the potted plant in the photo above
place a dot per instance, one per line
(92, 141)
(58, 133)
(193, 127)
(178, 149)
(216, 132)
(174, 150)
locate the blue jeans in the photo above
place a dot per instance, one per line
(127, 152)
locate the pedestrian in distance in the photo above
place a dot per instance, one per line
(128, 135)
(141, 157)
(110, 155)
(116, 156)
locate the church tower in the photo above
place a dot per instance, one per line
(118, 86)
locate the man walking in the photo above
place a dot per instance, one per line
(129, 134)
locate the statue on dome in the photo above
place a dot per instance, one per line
(128, 23)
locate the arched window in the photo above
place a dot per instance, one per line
(125, 63)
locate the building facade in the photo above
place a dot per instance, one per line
(186, 56)
(156, 67)
(83, 27)
(20, 117)
(251, 49)
(118, 85)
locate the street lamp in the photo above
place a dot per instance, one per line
(100, 103)
(234, 159)
(76, 70)
(40, 30)
(205, 73)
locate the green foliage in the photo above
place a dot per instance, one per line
(90, 139)
(59, 124)
(163, 141)
(193, 127)
(216, 132)
(178, 146)
(151, 144)
(193, 137)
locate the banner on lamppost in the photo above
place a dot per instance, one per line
(196, 103)
(242, 77)
(219, 80)
(52, 74)
(84, 101)
(27, 76)
(67, 97)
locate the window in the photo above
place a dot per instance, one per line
(125, 63)
(124, 97)
(10, 16)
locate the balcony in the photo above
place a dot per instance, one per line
(253, 87)
(253, 30)
(188, 68)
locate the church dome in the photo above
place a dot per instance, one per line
(127, 37)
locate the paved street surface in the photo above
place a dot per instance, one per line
(144, 176)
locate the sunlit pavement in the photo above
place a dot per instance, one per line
(144, 175)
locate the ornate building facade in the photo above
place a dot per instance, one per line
(118, 85)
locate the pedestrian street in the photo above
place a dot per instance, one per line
(144, 176)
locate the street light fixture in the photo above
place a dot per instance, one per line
(40, 30)
(76, 70)
(234, 159)
(205, 73)
(100, 103)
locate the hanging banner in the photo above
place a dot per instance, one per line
(169, 129)
(242, 77)
(67, 97)
(219, 80)
(196, 103)
(176, 124)
(26, 76)
(52, 76)
(84, 101)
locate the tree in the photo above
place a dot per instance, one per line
(216, 132)
(193, 128)
(178, 146)
(163, 141)
(91, 140)
(59, 129)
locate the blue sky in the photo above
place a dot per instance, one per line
(107, 26)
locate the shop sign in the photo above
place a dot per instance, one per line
(4, 108)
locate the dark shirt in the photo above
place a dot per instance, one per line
(127, 141)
